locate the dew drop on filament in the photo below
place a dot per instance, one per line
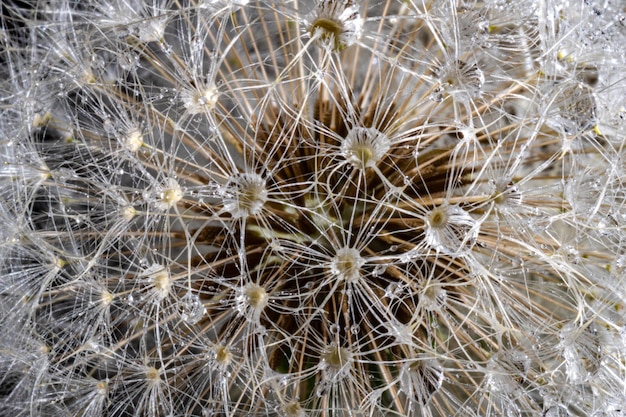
(192, 309)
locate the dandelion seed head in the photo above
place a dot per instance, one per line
(335, 361)
(401, 333)
(438, 218)
(222, 356)
(128, 213)
(346, 264)
(102, 388)
(133, 140)
(161, 279)
(450, 229)
(59, 263)
(337, 24)
(153, 375)
(200, 100)
(169, 195)
(40, 120)
(315, 208)
(245, 195)
(292, 409)
(507, 195)
(252, 296)
(107, 298)
(364, 147)
(433, 297)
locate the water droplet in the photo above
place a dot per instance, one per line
(574, 109)
(192, 309)
(379, 269)
(393, 290)
(618, 267)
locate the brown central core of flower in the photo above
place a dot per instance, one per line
(336, 357)
(437, 218)
(329, 31)
(251, 197)
(222, 355)
(347, 264)
(257, 297)
(364, 154)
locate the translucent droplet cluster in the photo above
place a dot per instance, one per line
(312, 208)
